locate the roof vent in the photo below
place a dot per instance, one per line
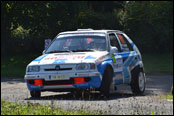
(89, 29)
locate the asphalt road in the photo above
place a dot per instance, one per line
(121, 102)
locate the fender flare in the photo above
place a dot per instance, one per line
(102, 66)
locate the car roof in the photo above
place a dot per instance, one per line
(78, 31)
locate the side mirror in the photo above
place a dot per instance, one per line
(114, 50)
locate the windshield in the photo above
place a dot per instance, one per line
(78, 44)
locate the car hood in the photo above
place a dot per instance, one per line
(74, 57)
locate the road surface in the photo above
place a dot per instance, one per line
(121, 102)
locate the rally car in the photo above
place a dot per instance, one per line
(85, 59)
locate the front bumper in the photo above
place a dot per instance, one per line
(48, 82)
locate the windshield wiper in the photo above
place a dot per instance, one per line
(85, 50)
(58, 51)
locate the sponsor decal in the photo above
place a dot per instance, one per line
(64, 57)
(117, 63)
(113, 58)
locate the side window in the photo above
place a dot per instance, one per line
(114, 41)
(124, 43)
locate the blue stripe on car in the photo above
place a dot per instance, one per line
(59, 61)
(132, 44)
(90, 57)
(125, 68)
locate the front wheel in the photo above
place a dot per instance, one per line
(138, 82)
(106, 82)
(35, 94)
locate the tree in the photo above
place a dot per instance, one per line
(150, 24)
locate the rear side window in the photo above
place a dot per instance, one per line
(124, 43)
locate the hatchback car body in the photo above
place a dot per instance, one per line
(84, 59)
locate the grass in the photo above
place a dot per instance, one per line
(158, 63)
(15, 66)
(168, 97)
(9, 108)
(12, 108)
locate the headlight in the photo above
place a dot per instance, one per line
(85, 66)
(33, 69)
(82, 66)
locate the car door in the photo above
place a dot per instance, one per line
(117, 60)
(128, 54)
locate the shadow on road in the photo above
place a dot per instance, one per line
(86, 97)
(155, 85)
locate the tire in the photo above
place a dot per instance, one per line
(106, 82)
(35, 94)
(138, 81)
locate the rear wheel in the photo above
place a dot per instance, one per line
(138, 81)
(106, 82)
(35, 94)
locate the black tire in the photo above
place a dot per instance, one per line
(138, 81)
(106, 82)
(35, 94)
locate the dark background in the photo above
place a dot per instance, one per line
(26, 24)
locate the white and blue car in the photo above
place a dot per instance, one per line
(85, 59)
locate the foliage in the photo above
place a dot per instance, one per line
(15, 66)
(26, 24)
(9, 108)
(158, 63)
(150, 25)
